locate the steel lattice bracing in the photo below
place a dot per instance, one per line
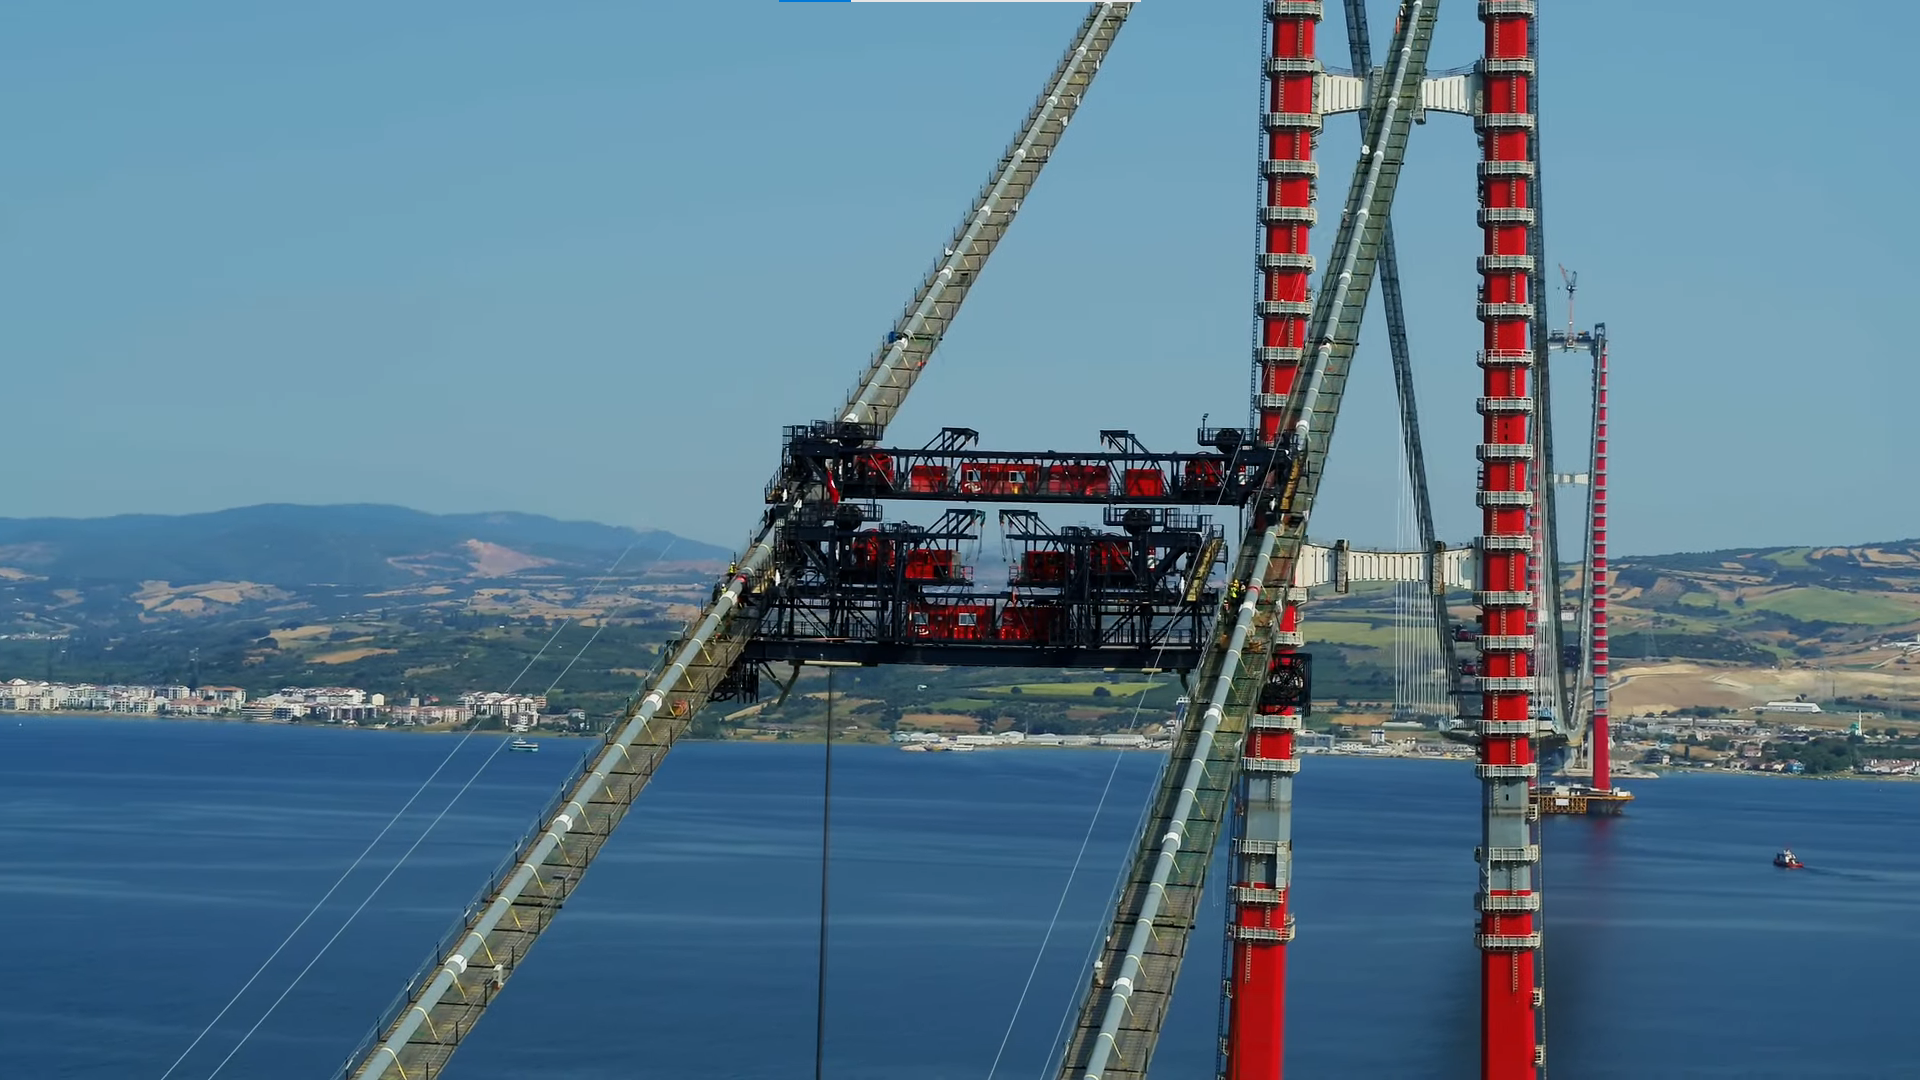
(1360, 50)
(1125, 1004)
(421, 1030)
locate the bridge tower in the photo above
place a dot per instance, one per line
(1508, 901)
(1258, 923)
(825, 579)
(1599, 735)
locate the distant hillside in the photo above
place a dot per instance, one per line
(318, 562)
(1830, 611)
(284, 545)
(1765, 606)
(1782, 602)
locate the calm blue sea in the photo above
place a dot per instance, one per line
(147, 868)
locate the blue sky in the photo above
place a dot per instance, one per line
(586, 259)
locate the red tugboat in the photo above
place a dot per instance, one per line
(1787, 860)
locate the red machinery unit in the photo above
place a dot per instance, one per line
(1036, 622)
(1042, 568)
(998, 478)
(927, 478)
(952, 622)
(934, 564)
(1146, 483)
(1091, 481)
(1111, 558)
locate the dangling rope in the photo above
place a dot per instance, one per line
(826, 831)
(1093, 947)
(1420, 677)
(391, 822)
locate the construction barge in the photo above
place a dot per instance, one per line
(1579, 799)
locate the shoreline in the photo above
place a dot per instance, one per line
(814, 738)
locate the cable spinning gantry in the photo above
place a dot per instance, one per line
(828, 578)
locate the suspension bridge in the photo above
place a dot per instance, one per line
(1159, 585)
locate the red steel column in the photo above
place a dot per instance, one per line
(1507, 937)
(1258, 924)
(1602, 766)
(1287, 212)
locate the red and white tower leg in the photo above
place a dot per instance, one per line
(1597, 569)
(1508, 938)
(1259, 925)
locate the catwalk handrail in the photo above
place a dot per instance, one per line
(1272, 551)
(1122, 993)
(470, 943)
(885, 385)
(898, 363)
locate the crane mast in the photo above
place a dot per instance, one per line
(440, 1004)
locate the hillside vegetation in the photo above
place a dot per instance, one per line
(400, 601)
(1786, 603)
(381, 597)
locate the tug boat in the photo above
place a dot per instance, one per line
(1787, 860)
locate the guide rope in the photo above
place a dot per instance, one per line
(388, 827)
(1072, 874)
(826, 831)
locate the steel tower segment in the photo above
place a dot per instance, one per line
(1360, 51)
(1253, 1009)
(421, 1029)
(1508, 899)
(1133, 979)
(1291, 121)
(1597, 586)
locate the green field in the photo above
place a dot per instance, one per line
(1815, 604)
(1699, 600)
(1075, 689)
(1347, 632)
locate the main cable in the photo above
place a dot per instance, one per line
(391, 822)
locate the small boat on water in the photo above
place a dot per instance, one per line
(1787, 860)
(524, 744)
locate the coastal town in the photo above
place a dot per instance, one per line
(1788, 738)
(345, 705)
(1783, 738)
